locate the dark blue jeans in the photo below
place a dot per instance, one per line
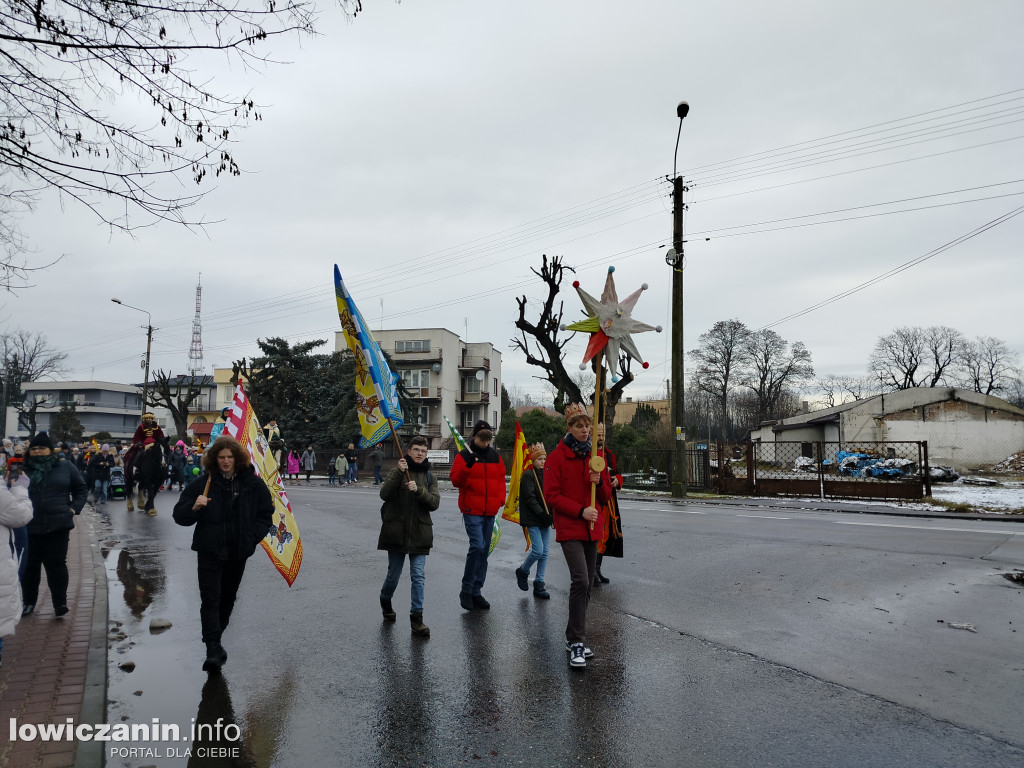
(478, 528)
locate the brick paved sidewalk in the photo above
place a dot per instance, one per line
(54, 668)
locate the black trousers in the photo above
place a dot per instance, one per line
(218, 587)
(581, 557)
(49, 551)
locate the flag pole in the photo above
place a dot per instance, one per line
(398, 444)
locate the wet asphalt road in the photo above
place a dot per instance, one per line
(728, 637)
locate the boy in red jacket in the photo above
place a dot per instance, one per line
(479, 474)
(579, 522)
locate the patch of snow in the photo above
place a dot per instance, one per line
(1009, 496)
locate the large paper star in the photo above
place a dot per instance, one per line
(610, 322)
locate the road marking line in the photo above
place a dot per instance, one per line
(932, 528)
(763, 517)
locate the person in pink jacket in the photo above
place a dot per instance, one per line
(579, 523)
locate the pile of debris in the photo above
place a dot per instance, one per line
(1013, 464)
(864, 465)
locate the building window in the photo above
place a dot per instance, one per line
(495, 380)
(416, 379)
(470, 384)
(469, 418)
(420, 345)
(421, 415)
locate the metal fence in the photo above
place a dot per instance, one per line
(886, 470)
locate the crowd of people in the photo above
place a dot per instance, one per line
(572, 490)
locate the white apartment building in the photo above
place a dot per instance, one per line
(446, 377)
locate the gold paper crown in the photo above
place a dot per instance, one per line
(148, 415)
(600, 431)
(537, 451)
(574, 411)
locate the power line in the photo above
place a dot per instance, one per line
(901, 268)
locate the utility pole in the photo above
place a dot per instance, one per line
(675, 260)
(145, 381)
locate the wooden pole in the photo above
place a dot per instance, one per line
(398, 444)
(597, 461)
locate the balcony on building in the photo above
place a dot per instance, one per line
(474, 362)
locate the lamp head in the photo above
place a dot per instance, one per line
(682, 108)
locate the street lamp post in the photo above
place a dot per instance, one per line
(149, 344)
(675, 260)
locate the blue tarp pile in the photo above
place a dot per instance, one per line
(862, 465)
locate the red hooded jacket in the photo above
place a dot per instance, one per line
(567, 490)
(480, 478)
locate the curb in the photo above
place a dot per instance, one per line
(815, 505)
(94, 700)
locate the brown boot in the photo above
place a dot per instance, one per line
(418, 627)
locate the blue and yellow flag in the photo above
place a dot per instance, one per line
(376, 385)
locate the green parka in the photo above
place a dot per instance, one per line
(406, 525)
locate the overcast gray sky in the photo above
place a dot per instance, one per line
(435, 150)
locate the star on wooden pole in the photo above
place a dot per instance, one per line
(610, 323)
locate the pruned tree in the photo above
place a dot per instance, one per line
(717, 362)
(773, 366)
(72, 76)
(177, 394)
(987, 365)
(541, 343)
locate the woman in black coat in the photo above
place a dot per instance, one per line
(58, 493)
(232, 510)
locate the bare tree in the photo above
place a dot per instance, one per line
(72, 73)
(897, 359)
(944, 348)
(542, 345)
(718, 360)
(987, 365)
(177, 394)
(844, 389)
(28, 357)
(774, 366)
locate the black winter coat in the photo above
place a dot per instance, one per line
(56, 502)
(532, 511)
(149, 468)
(228, 527)
(406, 526)
(99, 466)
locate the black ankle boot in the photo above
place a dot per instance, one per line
(539, 591)
(215, 656)
(600, 578)
(418, 627)
(387, 610)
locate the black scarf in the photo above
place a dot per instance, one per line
(417, 466)
(579, 447)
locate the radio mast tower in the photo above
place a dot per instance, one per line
(195, 352)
